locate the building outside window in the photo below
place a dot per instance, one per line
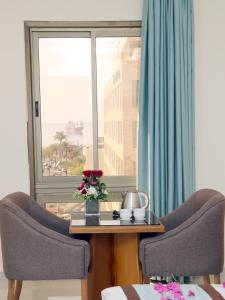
(119, 109)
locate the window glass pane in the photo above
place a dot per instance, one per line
(66, 105)
(118, 71)
(64, 210)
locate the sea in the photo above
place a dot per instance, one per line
(84, 137)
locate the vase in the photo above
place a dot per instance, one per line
(92, 207)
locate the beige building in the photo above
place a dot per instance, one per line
(120, 111)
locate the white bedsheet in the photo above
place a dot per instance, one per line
(116, 293)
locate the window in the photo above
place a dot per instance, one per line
(84, 104)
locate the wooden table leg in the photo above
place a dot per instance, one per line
(101, 270)
(127, 267)
(114, 261)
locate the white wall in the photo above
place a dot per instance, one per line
(210, 93)
(14, 172)
(210, 80)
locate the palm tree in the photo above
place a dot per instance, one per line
(64, 147)
(60, 136)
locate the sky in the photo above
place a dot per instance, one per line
(65, 71)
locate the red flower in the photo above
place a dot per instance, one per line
(96, 173)
(87, 173)
(84, 191)
(100, 173)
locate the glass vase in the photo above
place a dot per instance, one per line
(92, 207)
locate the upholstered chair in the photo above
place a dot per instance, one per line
(36, 245)
(193, 243)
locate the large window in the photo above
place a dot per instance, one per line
(85, 85)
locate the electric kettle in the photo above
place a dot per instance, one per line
(131, 199)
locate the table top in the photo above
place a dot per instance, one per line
(104, 223)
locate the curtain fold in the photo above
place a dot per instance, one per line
(166, 150)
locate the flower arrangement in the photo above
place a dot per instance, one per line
(91, 188)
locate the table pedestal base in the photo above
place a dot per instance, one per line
(114, 261)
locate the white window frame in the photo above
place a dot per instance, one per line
(43, 186)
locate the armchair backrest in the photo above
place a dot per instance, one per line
(203, 198)
(25, 203)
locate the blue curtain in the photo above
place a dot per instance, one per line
(166, 161)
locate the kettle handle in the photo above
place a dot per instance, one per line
(146, 199)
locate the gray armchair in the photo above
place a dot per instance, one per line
(36, 245)
(193, 243)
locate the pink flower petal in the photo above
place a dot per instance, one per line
(159, 287)
(223, 284)
(191, 294)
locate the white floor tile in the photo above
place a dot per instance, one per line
(65, 298)
(45, 290)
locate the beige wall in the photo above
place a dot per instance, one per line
(210, 80)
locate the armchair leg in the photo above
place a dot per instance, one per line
(84, 289)
(217, 278)
(11, 288)
(145, 279)
(18, 288)
(14, 289)
(206, 279)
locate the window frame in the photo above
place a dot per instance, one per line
(45, 186)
